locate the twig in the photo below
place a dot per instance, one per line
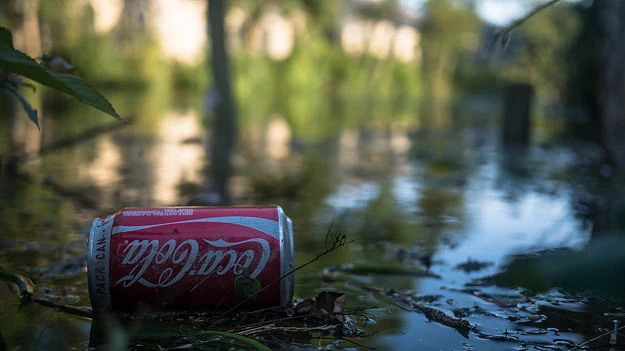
(263, 324)
(532, 13)
(338, 240)
(258, 329)
(63, 308)
(595, 338)
(505, 32)
(358, 344)
(462, 326)
(323, 328)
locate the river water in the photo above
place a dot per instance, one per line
(415, 189)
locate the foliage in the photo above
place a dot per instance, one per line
(125, 57)
(449, 35)
(13, 61)
(547, 40)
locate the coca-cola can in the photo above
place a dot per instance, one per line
(190, 258)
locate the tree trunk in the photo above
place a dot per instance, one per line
(610, 93)
(224, 120)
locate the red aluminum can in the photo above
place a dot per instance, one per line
(189, 257)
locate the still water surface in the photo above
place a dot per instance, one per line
(424, 185)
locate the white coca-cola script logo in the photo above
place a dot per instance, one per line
(181, 258)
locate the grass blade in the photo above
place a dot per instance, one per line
(242, 339)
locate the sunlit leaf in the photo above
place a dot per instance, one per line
(30, 111)
(17, 62)
(85, 93)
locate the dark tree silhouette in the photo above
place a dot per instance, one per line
(224, 120)
(610, 91)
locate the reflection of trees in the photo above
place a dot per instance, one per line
(445, 157)
(441, 211)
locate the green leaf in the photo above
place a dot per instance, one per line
(28, 85)
(30, 111)
(17, 62)
(247, 341)
(85, 93)
(245, 286)
(6, 38)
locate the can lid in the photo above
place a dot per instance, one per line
(287, 258)
(98, 262)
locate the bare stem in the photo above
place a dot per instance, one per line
(63, 308)
(532, 13)
(596, 338)
(505, 32)
(337, 240)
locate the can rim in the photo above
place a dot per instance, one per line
(90, 263)
(102, 227)
(287, 256)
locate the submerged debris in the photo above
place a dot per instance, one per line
(327, 306)
(410, 302)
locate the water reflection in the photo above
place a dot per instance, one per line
(410, 194)
(180, 155)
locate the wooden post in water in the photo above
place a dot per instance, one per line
(517, 109)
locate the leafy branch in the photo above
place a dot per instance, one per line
(14, 63)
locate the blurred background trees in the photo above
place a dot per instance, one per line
(450, 32)
(294, 57)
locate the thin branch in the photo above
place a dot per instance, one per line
(596, 338)
(532, 13)
(504, 34)
(319, 329)
(338, 240)
(63, 308)
(245, 328)
(357, 344)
